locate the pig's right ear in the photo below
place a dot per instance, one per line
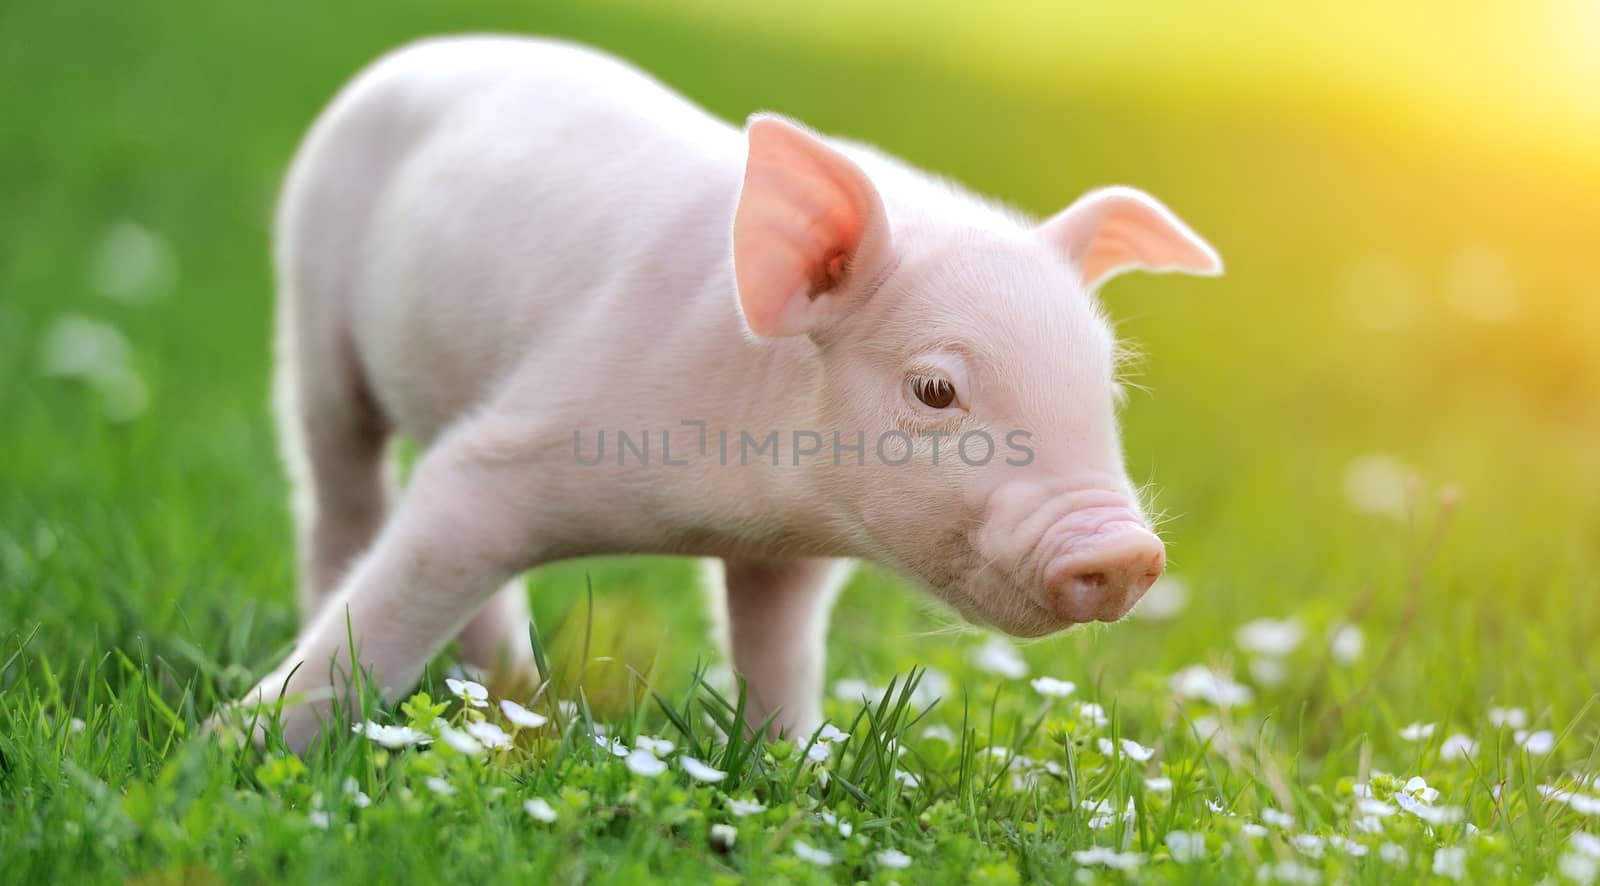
(809, 229)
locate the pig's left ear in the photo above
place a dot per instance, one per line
(1112, 230)
(809, 231)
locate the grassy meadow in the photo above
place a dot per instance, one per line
(1375, 658)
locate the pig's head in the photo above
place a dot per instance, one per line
(957, 327)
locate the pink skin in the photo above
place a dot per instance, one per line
(488, 245)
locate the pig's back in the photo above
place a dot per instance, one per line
(468, 205)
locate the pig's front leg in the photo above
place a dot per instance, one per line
(465, 525)
(777, 630)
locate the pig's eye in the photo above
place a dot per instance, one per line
(935, 393)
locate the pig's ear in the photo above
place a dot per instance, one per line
(1109, 231)
(809, 229)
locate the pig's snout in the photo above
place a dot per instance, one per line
(1101, 576)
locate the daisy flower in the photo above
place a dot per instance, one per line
(488, 734)
(539, 810)
(643, 763)
(893, 859)
(391, 736)
(816, 856)
(1418, 731)
(469, 691)
(1050, 687)
(1270, 637)
(520, 716)
(999, 657)
(700, 771)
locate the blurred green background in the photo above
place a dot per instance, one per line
(1408, 203)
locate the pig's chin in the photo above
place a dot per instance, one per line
(1011, 611)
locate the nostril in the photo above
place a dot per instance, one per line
(1092, 581)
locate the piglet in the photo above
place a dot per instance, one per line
(612, 323)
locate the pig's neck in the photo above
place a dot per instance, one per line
(783, 507)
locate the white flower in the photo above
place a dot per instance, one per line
(615, 746)
(1165, 600)
(1252, 830)
(1131, 748)
(1158, 785)
(855, 691)
(1050, 687)
(1288, 872)
(318, 819)
(907, 779)
(658, 746)
(133, 263)
(1586, 844)
(1581, 803)
(940, 732)
(1434, 815)
(1508, 718)
(1104, 817)
(742, 808)
(845, 827)
(810, 853)
(645, 764)
(1392, 853)
(521, 716)
(893, 859)
(724, 836)
(700, 771)
(1538, 743)
(818, 752)
(1458, 747)
(489, 734)
(1202, 683)
(1346, 643)
(1349, 847)
(1277, 818)
(440, 786)
(831, 733)
(1367, 824)
(1418, 731)
(391, 736)
(1417, 786)
(1107, 857)
(1580, 869)
(1091, 714)
(997, 656)
(1450, 861)
(1209, 728)
(539, 810)
(567, 708)
(934, 685)
(469, 691)
(1369, 806)
(1310, 844)
(1186, 846)
(459, 741)
(1379, 484)
(352, 789)
(1269, 672)
(1271, 637)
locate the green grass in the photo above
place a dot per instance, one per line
(145, 564)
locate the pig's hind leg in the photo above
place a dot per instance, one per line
(332, 439)
(777, 631)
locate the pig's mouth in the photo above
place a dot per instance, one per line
(1018, 613)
